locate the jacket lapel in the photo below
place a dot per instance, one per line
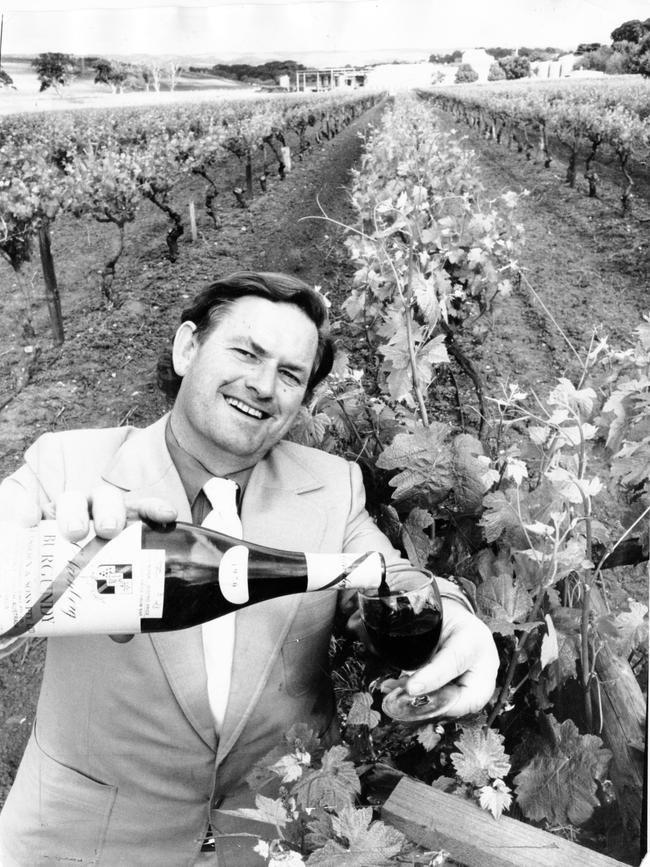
(144, 467)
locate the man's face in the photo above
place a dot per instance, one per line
(244, 383)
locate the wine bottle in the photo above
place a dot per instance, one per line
(152, 578)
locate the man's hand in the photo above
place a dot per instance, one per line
(463, 670)
(109, 509)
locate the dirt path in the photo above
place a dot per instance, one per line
(589, 266)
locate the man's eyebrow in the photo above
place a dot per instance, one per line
(264, 353)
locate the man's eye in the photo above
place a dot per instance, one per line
(244, 353)
(292, 378)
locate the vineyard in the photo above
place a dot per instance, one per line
(486, 266)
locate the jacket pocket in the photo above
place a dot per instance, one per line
(55, 814)
(305, 650)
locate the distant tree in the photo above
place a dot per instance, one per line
(498, 53)
(6, 80)
(629, 31)
(515, 66)
(454, 57)
(496, 72)
(596, 60)
(465, 74)
(586, 47)
(54, 69)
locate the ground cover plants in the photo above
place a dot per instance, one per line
(510, 479)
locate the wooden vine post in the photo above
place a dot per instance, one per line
(52, 297)
(623, 714)
(436, 820)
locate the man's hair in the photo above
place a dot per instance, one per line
(213, 302)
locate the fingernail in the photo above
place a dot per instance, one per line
(168, 512)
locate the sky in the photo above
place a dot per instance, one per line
(319, 31)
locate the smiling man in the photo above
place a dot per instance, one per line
(140, 743)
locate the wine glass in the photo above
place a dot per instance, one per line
(403, 624)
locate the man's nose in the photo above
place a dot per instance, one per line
(261, 380)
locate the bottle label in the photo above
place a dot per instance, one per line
(233, 575)
(342, 571)
(48, 586)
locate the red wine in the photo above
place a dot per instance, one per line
(152, 578)
(407, 641)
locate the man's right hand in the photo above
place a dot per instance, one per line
(107, 507)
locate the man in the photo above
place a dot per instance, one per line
(138, 741)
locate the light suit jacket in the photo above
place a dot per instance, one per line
(123, 768)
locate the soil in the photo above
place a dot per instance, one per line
(589, 265)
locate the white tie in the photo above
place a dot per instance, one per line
(219, 634)
(222, 494)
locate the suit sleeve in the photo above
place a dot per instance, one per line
(362, 534)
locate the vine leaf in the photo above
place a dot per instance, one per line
(335, 784)
(361, 712)
(501, 514)
(417, 543)
(429, 736)
(269, 810)
(470, 465)
(495, 798)
(424, 457)
(504, 602)
(559, 784)
(481, 757)
(363, 842)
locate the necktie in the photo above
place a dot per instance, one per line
(222, 495)
(219, 634)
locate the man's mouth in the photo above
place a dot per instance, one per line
(246, 408)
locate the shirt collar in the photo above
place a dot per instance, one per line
(192, 473)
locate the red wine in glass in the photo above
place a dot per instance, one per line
(403, 624)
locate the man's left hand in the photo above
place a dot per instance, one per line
(463, 670)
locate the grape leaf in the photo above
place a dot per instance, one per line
(559, 784)
(632, 627)
(270, 810)
(469, 472)
(500, 514)
(361, 712)
(495, 798)
(334, 784)
(481, 757)
(417, 543)
(425, 456)
(364, 842)
(504, 602)
(429, 736)
(288, 768)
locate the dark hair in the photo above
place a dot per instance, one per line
(215, 300)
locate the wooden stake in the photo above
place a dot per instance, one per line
(193, 222)
(51, 288)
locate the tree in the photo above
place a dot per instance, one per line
(496, 72)
(454, 57)
(629, 31)
(465, 74)
(54, 69)
(515, 67)
(585, 47)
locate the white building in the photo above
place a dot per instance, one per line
(479, 60)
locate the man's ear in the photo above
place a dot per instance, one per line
(185, 345)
